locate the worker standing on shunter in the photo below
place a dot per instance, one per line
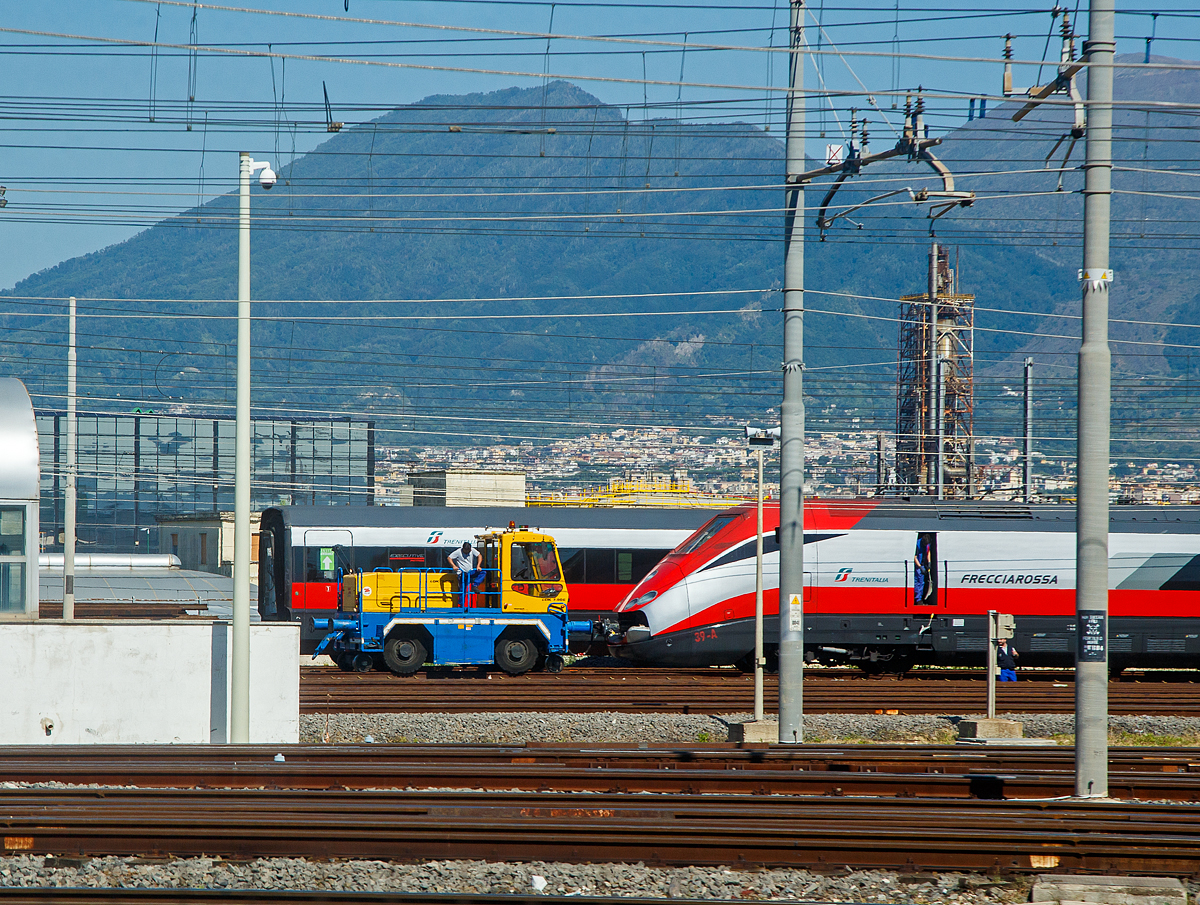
(466, 563)
(1006, 659)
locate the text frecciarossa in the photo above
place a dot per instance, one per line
(1008, 578)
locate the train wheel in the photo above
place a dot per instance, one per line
(516, 656)
(404, 656)
(554, 663)
(363, 662)
(345, 661)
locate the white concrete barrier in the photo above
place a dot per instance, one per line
(134, 681)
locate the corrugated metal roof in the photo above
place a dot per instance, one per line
(177, 586)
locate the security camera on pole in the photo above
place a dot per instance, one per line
(239, 673)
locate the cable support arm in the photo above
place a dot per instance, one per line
(1063, 83)
(916, 149)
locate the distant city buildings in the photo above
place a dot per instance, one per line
(617, 467)
(159, 483)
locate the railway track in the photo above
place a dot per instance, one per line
(821, 833)
(712, 691)
(911, 771)
(90, 895)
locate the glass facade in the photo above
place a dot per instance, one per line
(135, 467)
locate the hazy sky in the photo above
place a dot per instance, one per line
(77, 111)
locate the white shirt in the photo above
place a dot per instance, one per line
(464, 562)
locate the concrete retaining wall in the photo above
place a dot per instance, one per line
(133, 681)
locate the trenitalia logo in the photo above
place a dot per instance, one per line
(1001, 578)
(434, 537)
(843, 574)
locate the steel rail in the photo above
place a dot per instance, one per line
(328, 690)
(674, 829)
(908, 771)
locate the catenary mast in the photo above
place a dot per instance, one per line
(791, 457)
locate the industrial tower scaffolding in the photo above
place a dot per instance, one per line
(935, 391)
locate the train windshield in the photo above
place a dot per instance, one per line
(534, 561)
(706, 532)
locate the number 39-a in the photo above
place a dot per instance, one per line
(710, 635)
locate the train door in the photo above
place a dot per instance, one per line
(926, 573)
(270, 607)
(810, 578)
(326, 556)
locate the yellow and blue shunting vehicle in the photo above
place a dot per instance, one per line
(515, 617)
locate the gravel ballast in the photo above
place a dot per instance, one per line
(487, 877)
(673, 728)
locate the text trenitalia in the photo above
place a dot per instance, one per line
(1009, 579)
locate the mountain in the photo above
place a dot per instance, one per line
(521, 194)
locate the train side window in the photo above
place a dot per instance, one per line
(624, 566)
(370, 559)
(438, 557)
(601, 566)
(574, 562)
(925, 569)
(644, 561)
(312, 565)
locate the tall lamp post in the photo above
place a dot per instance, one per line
(239, 673)
(759, 437)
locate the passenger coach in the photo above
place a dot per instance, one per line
(302, 550)
(889, 583)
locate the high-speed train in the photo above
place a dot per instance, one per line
(304, 550)
(889, 583)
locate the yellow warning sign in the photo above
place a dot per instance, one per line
(795, 614)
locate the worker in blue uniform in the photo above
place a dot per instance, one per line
(1006, 659)
(922, 585)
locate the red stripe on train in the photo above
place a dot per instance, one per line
(957, 602)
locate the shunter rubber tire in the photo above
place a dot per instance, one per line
(404, 655)
(516, 656)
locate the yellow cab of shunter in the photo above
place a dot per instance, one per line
(522, 574)
(522, 568)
